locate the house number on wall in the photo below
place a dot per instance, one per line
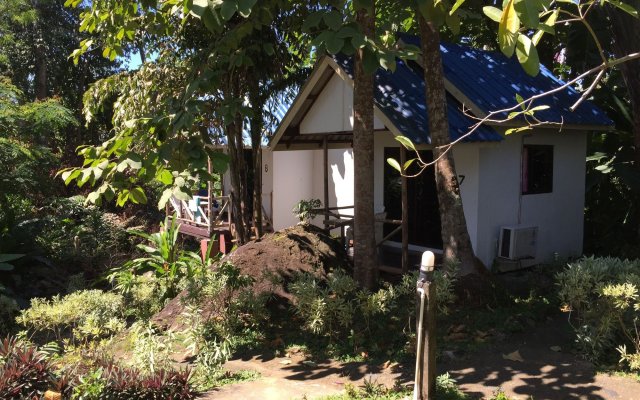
(266, 168)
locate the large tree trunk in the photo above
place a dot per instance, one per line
(256, 151)
(455, 237)
(365, 263)
(41, 70)
(236, 166)
(625, 30)
(237, 169)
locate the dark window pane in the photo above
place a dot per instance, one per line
(537, 169)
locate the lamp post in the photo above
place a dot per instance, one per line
(425, 375)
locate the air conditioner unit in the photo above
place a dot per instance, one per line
(518, 242)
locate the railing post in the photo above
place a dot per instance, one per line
(425, 377)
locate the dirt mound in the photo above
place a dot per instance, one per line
(273, 260)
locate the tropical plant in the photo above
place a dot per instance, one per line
(151, 349)
(82, 316)
(25, 372)
(339, 310)
(111, 381)
(5, 260)
(306, 210)
(602, 296)
(165, 258)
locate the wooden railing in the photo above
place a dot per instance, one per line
(343, 220)
(200, 213)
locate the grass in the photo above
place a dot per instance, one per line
(446, 389)
(207, 382)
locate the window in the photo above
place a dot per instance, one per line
(537, 169)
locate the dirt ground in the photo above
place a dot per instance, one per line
(542, 369)
(273, 261)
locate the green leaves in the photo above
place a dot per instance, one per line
(508, 29)
(546, 27)
(395, 164)
(494, 13)
(624, 7)
(527, 55)
(528, 12)
(406, 142)
(515, 21)
(228, 9)
(5, 260)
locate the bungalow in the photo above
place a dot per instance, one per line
(523, 193)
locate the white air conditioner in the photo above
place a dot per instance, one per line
(518, 242)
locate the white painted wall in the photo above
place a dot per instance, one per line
(490, 190)
(267, 180)
(466, 157)
(333, 110)
(292, 182)
(559, 215)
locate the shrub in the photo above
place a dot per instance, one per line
(83, 315)
(73, 233)
(151, 349)
(304, 210)
(602, 296)
(110, 381)
(25, 372)
(221, 309)
(8, 311)
(125, 384)
(340, 311)
(171, 265)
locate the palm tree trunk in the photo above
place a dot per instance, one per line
(364, 256)
(455, 237)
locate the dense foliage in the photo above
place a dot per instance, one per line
(359, 319)
(602, 296)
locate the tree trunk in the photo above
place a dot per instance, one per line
(625, 30)
(365, 263)
(236, 165)
(455, 237)
(237, 168)
(256, 151)
(41, 70)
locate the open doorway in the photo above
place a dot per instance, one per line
(424, 216)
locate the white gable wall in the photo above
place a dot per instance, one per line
(332, 111)
(559, 215)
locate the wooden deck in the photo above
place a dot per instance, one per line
(200, 217)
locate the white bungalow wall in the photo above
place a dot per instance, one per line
(490, 189)
(332, 111)
(267, 181)
(559, 215)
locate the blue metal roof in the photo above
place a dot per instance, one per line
(491, 80)
(400, 95)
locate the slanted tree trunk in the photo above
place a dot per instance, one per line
(625, 30)
(455, 237)
(364, 256)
